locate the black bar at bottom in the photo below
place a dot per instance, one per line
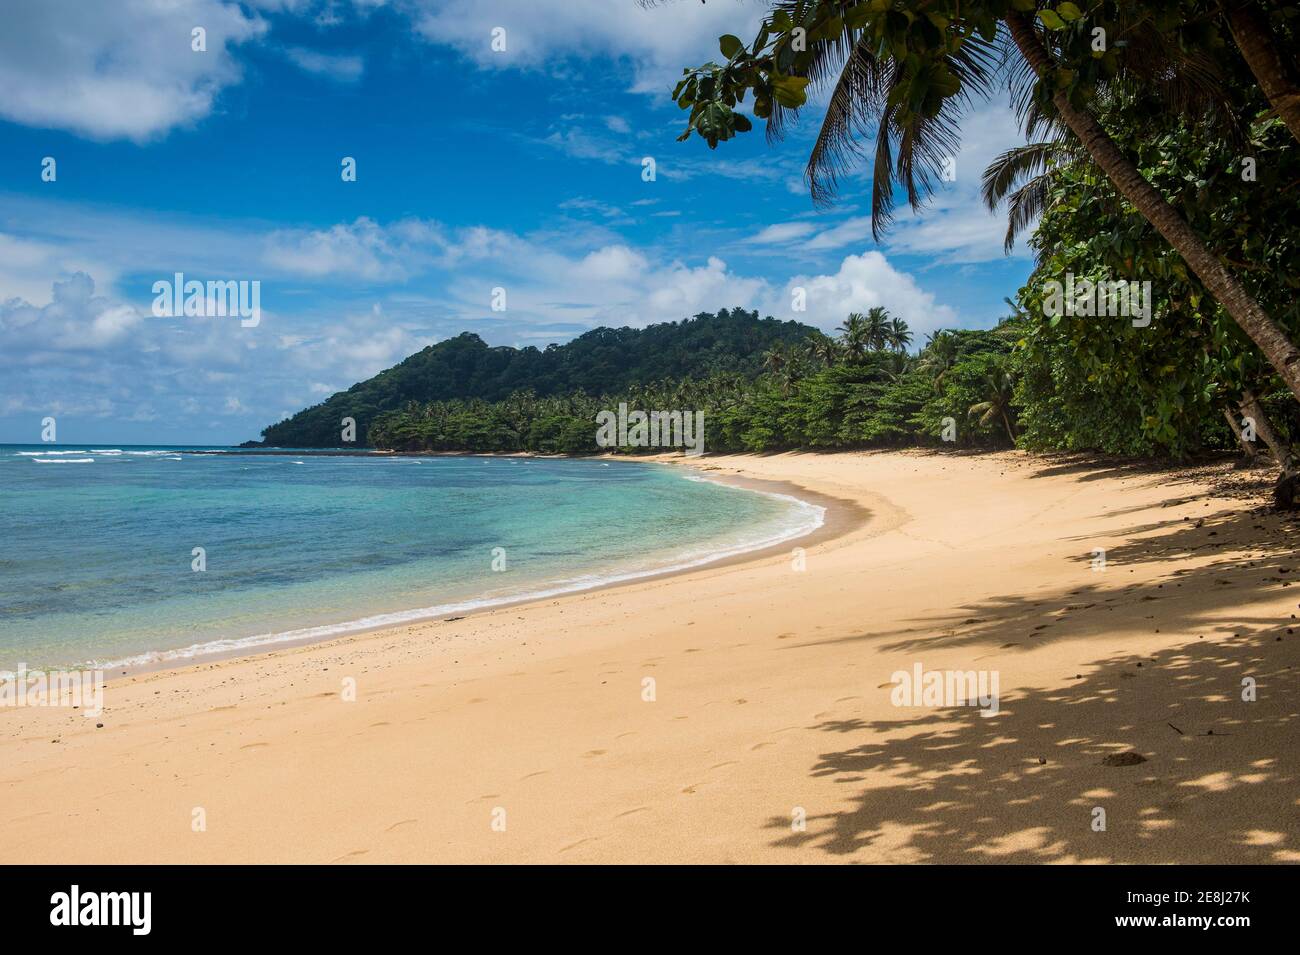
(1223, 903)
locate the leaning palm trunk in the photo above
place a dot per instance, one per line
(1271, 339)
(1283, 453)
(1258, 48)
(1248, 451)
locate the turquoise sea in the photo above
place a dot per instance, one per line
(97, 543)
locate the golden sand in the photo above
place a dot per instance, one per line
(526, 734)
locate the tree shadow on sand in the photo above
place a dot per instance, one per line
(1243, 558)
(1221, 778)
(1219, 783)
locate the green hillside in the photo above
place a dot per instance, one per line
(601, 361)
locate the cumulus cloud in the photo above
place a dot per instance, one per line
(118, 70)
(862, 282)
(658, 42)
(548, 282)
(76, 320)
(89, 355)
(344, 302)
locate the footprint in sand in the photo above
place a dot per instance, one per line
(404, 822)
(595, 752)
(540, 772)
(574, 845)
(350, 855)
(254, 745)
(730, 762)
(761, 745)
(633, 812)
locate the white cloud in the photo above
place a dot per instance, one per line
(344, 302)
(361, 249)
(75, 320)
(658, 42)
(862, 282)
(118, 70)
(342, 67)
(28, 268)
(957, 227)
(782, 232)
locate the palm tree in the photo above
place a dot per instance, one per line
(939, 355)
(822, 348)
(855, 336)
(999, 388)
(877, 328)
(914, 97)
(896, 365)
(900, 336)
(775, 358)
(1260, 49)
(1021, 177)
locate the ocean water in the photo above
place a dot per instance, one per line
(97, 543)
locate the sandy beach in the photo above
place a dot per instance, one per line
(742, 712)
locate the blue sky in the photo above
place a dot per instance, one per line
(476, 169)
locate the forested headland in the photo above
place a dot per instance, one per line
(1162, 153)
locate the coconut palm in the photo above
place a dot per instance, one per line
(855, 336)
(1020, 177)
(822, 349)
(998, 390)
(899, 336)
(938, 357)
(877, 328)
(1263, 52)
(776, 358)
(909, 92)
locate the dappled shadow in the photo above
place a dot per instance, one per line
(1242, 557)
(1219, 783)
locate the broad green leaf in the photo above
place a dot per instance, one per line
(1051, 20)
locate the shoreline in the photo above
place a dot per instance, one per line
(684, 719)
(838, 517)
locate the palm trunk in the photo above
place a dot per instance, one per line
(1247, 447)
(1251, 32)
(1281, 448)
(1271, 339)
(1010, 431)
